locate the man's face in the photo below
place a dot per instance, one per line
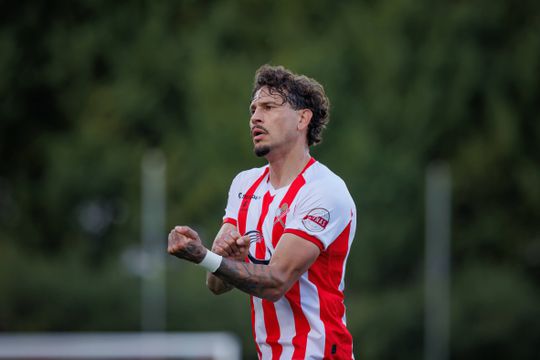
(273, 122)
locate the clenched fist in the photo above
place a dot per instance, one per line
(185, 243)
(229, 243)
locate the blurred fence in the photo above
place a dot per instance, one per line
(143, 346)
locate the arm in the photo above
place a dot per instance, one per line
(293, 257)
(221, 247)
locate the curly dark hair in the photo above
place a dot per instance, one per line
(300, 92)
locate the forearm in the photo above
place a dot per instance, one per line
(226, 246)
(216, 285)
(292, 257)
(262, 281)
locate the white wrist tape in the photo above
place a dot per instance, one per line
(211, 261)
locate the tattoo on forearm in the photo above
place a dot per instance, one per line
(218, 285)
(253, 279)
(194, 252)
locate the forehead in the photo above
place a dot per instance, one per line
(265, 94)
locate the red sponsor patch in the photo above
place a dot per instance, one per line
(316, 220)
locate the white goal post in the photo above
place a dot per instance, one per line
(112, 346)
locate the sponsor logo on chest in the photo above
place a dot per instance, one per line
(242, 195)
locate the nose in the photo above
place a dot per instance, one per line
(256, 117)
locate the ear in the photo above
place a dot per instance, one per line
(305, 119)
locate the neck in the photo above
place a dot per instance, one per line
(285, 168)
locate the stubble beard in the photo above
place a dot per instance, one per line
(261, 151)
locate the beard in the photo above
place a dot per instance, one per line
(261, 150)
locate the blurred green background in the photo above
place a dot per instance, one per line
(87, 87)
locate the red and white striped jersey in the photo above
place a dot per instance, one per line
(309, 321)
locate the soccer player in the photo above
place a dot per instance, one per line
(287, 229)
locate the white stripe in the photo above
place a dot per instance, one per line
(286, 326)
(260, 329)
(309, 300)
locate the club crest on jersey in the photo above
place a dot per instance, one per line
(281, 213)
(316, 220)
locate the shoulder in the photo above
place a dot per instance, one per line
(321, 182)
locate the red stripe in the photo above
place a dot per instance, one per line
(293, 295)
(253, 326)
(269, 311)
(285, 204)
(242, 216)
(270, 317)
(260, 250)
(301, 324)
(229, 221)
(327, 273)
(272, 328)
(306, 236)
(244, 206)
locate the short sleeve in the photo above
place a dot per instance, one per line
(321, 214)
(233, 202)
